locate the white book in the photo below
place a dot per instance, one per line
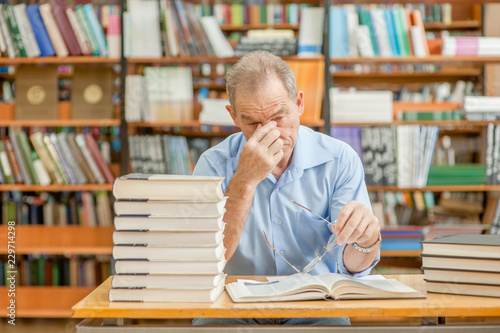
(26, 31)
(352, 27)
(380, 26)
(417, 41)
(169, 208)
(145, 37)
(173, 44)
(177, 282)
(310, 40)
(219, 43)
(3, 43)
(168, 238)
(364, 42)
(325, 286)
(165, 295)
(136, 186)
(53, 31)
(361, 106)
(151, 252)
(169, 267)
(174, 223)
(6, 35)
(481, 104)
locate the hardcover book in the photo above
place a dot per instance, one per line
(36, 92)
(92, 93)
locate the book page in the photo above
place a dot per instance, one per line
(283, 285)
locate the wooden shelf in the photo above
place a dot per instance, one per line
(55, 188)
(467, 126)
(454, 25)
(59, 60)
(198, 60)
(433, 59)
(423, 107)
(413, 75)
(438, 188)
(43, 302)
(60, 123)
(72, 239)
(360, 2)
(245, 27)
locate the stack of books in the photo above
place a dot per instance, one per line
(168, 240)
(463, 264)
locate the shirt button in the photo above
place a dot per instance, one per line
(282, 252)
(279, 221)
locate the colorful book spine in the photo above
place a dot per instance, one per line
(41, 34)
(5, 165)
(15, 30)
(80, 15)
(25, 149)
(96, 29)
(78, 30)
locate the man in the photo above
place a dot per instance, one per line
(275, 160)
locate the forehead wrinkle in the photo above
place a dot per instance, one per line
(283, 109)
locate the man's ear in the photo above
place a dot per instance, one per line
(232, 113)
(299, 101)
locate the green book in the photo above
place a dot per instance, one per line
(11, 20)
(402, 30)
(55, 273)
(263, 14)
(5, 165)
(40, 271)
(24, 146)
(433, 115)
(365, 19)
(80, 15)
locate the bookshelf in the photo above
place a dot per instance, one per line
(53, 242)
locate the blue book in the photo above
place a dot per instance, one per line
(339, 40)
(391, 32)
(96, 29)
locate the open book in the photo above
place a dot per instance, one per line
(300, 287)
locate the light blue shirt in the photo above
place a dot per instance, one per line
(324, 175)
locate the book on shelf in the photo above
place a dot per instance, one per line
(167, 187)
(64, 26)
(7, 172)
(176, 282)
(473, 289)
(213, 112)
(36, 93)
(92, 93)
(361, 106)
(335, 286)
(471, 46)
(199, 294)
(22, 162)
(310, 39)
(458, 174)
(219, 43)
(175, 223)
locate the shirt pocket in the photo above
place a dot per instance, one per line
(311, 233)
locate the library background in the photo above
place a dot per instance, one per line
(411, 86)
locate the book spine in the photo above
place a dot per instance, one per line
(53, 31)
(79, 33)
(15, 30)
(40, 148)
(5, 29)
(40, 170)
(94, 150)
(80, 159)
(113, 36)
(39, 30)
(59, 13)
(70, 158)
(16, 171)
(25, 150)
(20, 160)
(96, 29)
(63, 159)
(26, 31)
(80, 15)
(55, 158)
(80, 140)
(5, 164)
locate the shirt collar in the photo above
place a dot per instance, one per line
(308, 153)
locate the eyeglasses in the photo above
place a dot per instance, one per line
(310, 266)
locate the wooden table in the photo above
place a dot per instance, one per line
(97, 305)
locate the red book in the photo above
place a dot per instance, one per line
(96, 154)
(48, 273)
(59, 13)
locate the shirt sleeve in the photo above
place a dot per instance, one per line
(350, 186)
(204, 167)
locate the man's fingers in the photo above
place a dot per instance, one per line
(262, 130)
(276, 146)
(270, 138)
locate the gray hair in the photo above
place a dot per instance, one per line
(255, 67)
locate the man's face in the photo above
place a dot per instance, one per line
(270, 102)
